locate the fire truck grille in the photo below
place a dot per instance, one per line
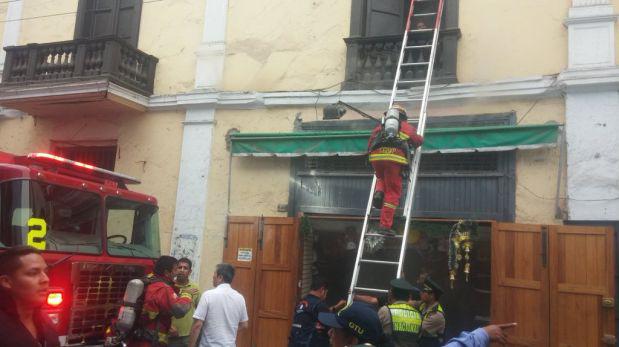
(98, 290)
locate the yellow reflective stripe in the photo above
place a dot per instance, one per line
(404, 318)
(403, 136)
(386, 204)
(390, 157)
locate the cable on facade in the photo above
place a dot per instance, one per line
(568, 199)
(55, 14)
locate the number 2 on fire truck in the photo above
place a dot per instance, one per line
(36, 235)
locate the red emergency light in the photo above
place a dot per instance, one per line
(114, 176)
(54, 299)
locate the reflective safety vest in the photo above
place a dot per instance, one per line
(405, 323)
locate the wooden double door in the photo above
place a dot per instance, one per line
(265, 252)
(556, 282)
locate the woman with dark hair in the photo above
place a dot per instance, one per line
(24, 287)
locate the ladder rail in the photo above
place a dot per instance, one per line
(421, 127)
(355, 274)
(398, 69)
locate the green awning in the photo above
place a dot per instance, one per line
(350, 143)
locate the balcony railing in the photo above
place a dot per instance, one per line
(371, 61)
(80, 60)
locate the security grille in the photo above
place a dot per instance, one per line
(98, 290)
(430, 163)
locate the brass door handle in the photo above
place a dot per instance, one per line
(608, 339)
(608, 302)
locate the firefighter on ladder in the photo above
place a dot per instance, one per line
(389, 153)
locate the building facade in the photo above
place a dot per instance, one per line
(157, 89)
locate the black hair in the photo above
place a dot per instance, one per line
(400, 294)
(318, 282)
(226, 271)
(186, 261)
(9, 260)
(163, 264)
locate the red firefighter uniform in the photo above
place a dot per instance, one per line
(161, 303)
(388, 163)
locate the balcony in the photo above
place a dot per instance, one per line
(77, 76)
(371, 61)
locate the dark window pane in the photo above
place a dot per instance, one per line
(99, 156)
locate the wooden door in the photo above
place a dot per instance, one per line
(242, 241)
(581, 284)
(276, 283)
(520, 282)
(265, 252)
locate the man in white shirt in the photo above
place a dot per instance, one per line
(220, 312)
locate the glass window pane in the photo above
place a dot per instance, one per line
(132, 229)
(49, 217)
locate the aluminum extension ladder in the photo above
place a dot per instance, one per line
(411, 48)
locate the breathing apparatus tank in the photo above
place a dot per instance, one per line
(127, 314)
(392, 123)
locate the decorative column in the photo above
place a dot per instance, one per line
(592, 104)
(192, 192)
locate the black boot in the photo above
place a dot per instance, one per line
(377, 201)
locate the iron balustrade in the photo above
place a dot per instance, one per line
(81, 59)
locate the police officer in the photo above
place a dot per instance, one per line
(401, 321)
(389, 148)
(306, 329)
(433, 317)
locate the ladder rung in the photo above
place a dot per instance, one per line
(421, 30)
(424, 14)
(375, 290)
(381, 235)
(418, 47)
(385, 262)
(416, 64)
(412, 81)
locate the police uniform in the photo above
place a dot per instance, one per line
(400, 320)
(433, 317)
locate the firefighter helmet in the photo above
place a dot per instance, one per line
(401, 111)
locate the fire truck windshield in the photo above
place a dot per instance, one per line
(132, 229)
(49, 217)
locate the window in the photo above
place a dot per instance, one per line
(49, 217)
(101, 18)
(132, 229)
(99, 156)
(375, 39)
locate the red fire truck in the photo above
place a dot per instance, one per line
(95, 234)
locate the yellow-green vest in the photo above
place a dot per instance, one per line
(405, 324)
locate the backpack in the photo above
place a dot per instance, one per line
(304, 322)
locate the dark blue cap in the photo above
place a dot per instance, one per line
(359, 318)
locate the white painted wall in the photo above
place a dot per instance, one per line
(592, 113)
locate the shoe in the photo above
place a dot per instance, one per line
(377, 201)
